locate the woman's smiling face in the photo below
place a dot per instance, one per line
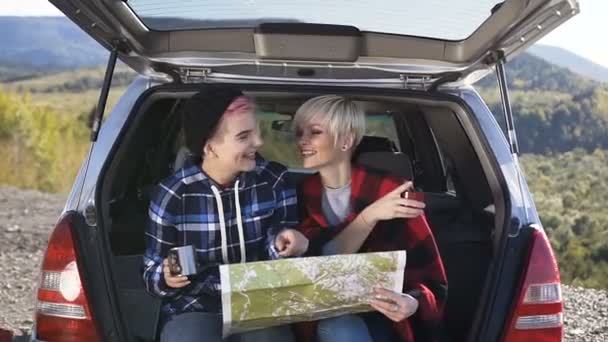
(237, 138)
(328, 128)
(317, 146)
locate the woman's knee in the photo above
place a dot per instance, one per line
(193, 326)
(350, 328)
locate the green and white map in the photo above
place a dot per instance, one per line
(268, 293)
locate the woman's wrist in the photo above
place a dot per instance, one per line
(367, 219)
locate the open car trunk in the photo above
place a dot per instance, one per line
(411, 43)
(434, 132)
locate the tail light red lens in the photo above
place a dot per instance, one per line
(63, 312)
(538, 315)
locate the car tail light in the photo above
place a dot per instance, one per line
(63, 312)
(538, 315)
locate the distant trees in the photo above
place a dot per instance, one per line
(555, 110)
(567, 125)
(570, 191)
(527, 72)
(83, 83)
(40, 149)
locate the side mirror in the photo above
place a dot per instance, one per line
(282, 125)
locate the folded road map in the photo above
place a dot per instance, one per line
(263, 294)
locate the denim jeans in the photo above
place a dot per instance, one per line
(366, 327)
(207, 327)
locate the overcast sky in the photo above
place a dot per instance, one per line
(585, 34)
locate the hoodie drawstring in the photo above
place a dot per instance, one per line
(239, 221)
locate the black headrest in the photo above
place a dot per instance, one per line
(371, 143)
(394, 163)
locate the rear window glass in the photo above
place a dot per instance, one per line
(280, 145)
(449, 20)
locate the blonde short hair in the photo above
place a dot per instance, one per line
(339, 115)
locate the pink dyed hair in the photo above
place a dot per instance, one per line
(241, 104)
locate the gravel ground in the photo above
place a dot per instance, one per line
(27, 217)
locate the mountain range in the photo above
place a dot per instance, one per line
(45, 44)
(570, 60)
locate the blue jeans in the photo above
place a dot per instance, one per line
(366, 327)
(207, 327)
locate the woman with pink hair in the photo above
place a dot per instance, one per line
(226, 202)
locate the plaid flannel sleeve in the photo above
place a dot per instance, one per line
(160, 236)
(285, 214)
(425, 278)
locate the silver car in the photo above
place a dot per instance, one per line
(411, 64)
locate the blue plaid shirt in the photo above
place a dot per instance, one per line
(184, 212)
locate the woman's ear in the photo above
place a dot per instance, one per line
(348, 142)
(208, 150)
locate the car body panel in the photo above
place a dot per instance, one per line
(521, 201)
(482, 128)
(82, 195)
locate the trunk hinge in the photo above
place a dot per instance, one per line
(103, 96)
(510, 127)
(421, 82)
(404, 80)
(194, 75)
(430, 83)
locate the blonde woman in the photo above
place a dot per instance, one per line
(347, 208)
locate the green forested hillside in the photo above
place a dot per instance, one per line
(570, 191)
(555, 110)
(73, 91)
(562, 128)
(78, 80)
(527, 72)
(13, 71)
